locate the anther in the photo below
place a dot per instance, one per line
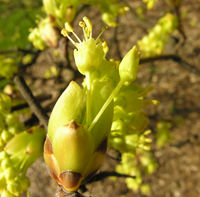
(89, 26)
(64, 32)
(68, 27)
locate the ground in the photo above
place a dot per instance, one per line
(176, 88)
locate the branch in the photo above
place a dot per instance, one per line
(176, 59)
(28, 96)
(25, 105)
(105, 174)
(61, 193)
(24, 51)
(116, 41)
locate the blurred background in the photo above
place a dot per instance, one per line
(173, 72)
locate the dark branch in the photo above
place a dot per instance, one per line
(25, 105)
(24, 51)
(176, 59)
(28, 96)
(105, 174)
(116, 41)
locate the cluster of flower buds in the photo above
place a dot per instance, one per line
(154, 43)
(110, 10)
(81, 120)
(9, 122)
(59, 12)
(129, 135)
(135, 165)
(44, 35)
(8, 67)
(18, 155)
(129, 122)
(64, 11)
(163, 134)
(18, 150)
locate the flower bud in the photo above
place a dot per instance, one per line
(26, 147)
(69, 106)
(49, 6)
(68, 154)
(129, 65)
(76, 153)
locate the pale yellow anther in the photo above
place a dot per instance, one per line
(88, 23)
(82, 24)
(68, 27)
(64, 32)
(105, 47)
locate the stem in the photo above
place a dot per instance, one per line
(25, 105)
(108, 101)
(88, 99)
(28, 96)
(176, 58)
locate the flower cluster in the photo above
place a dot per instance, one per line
(18, 150)
(108, 107)
(59, 12)
(8, 67)
(154, 43)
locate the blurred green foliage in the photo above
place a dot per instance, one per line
(16, 17)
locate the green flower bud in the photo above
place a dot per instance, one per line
(69, 106)
(109, 19)
(72, 156)
(49, 6)
(5, 102)
(44, 35)
(129, 66)
(75, 155)
(26, 147)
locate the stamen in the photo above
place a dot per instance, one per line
(102, 31)
(69, 28)
(89, 26)
(87, 32)
(82, 24)
(76, 37)
(65, 34)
